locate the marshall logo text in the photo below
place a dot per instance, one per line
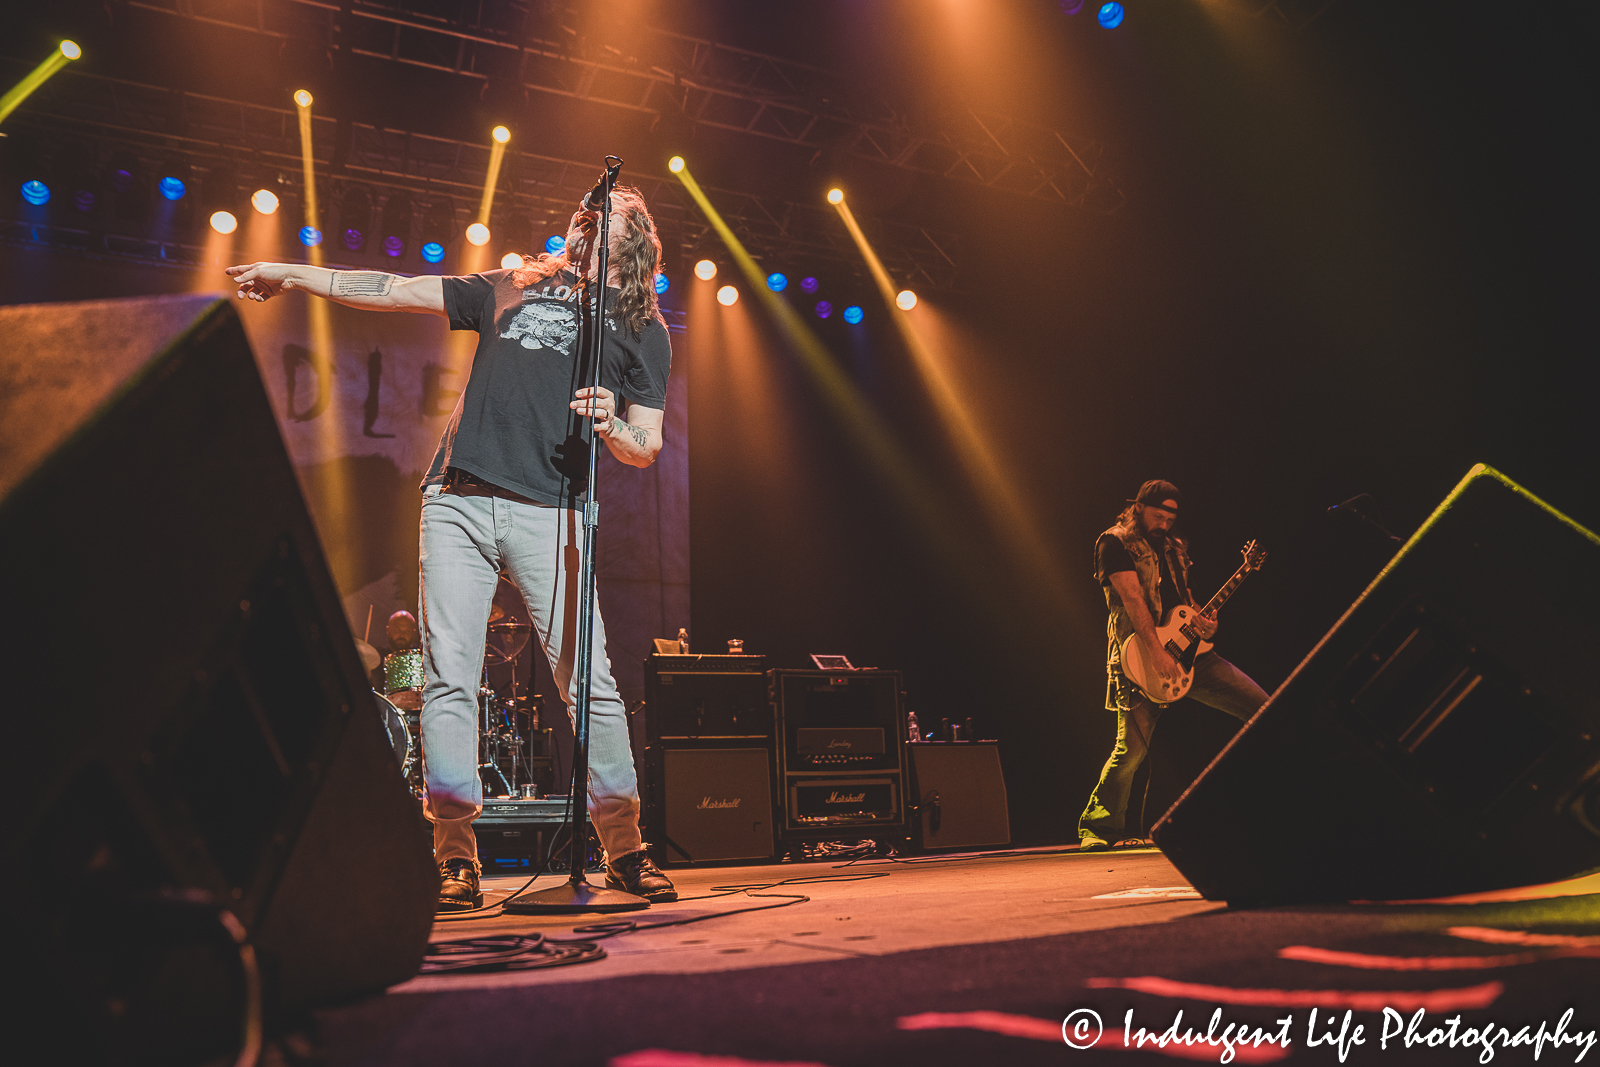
(719, 802)
(837, 797)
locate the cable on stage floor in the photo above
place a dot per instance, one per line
(511, 952)
(600, 931)
(522, 952)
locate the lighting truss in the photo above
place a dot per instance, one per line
(707, 83)
(213, 132)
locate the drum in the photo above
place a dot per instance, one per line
(402, 679)
(402, 670)
(394, 727)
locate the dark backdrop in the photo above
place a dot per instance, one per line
(1353, 260)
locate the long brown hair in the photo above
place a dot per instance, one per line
(637, 259)
(1129, 519)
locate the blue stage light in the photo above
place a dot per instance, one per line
(808, 284)
(1070, 7)
(83, 199)
(824, 309)
(555, 244)
(354, 239)
(393, 246)
(777, 282)
(662, 283)
(172, 188)
(433, 251)
(1111, 15)
(310, 236)
(853, 314)
(36, 192)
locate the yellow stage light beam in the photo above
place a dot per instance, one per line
(335, 507)
(866, 425)
(977, 447)
(37, 77)
(497, 155)
(302, 101)
(476, 256)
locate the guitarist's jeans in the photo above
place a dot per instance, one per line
(1217, 683)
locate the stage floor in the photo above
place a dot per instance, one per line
(978, 959)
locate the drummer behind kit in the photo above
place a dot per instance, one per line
(508, 725)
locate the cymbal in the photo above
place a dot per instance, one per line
(369, 656)
(496, 613)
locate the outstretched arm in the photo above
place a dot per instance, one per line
(369, 289)
(635, 441)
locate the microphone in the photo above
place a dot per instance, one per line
(1356, 507)
(595, 199)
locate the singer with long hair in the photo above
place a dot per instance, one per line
(505, 494)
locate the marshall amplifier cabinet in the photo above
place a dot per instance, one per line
(841, 749)
(716, 805)
(824, 803)
(706, 698)
(709, 759)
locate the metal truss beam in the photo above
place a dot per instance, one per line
(706, 83)
(263, 143)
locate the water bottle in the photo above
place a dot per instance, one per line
(683, 640)
(912, 730)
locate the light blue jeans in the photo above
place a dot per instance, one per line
(468, 538)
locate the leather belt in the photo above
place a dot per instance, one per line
(457, 480)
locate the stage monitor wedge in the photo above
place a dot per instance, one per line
(1443, 738)
(186, 714)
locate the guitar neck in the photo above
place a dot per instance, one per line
(1216, 602)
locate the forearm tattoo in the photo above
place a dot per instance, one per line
(640, 435)
(360, 283)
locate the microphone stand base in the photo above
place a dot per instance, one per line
(572, 897)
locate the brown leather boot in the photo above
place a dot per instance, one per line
(632, 872)
(458, 886)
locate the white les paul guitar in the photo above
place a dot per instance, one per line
(1177, 635)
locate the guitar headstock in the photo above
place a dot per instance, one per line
(1254, 556)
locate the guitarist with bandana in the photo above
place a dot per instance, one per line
(1143, 568)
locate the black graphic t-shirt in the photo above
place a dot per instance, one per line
(1110, 557)
(512, 426)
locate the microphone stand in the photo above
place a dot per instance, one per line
(577, 894)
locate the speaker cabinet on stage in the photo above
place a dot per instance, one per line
(708, 762)
(187, 717)
(716, 805)
(693, 698)
(1443, 738)
(959, 795)
(841, 742)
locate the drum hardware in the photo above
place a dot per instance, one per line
(368, 655)
(510, 730)
(506, 640)
(404, 738)
(493, 734)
